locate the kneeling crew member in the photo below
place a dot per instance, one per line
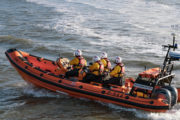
(77, 63)
(117, 73)
(96, 71)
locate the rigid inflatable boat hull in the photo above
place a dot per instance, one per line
(79, 89)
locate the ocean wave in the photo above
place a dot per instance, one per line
(169, 115)
(80, 21)
(33, 91)
(13, 41)
(137, 63)
(176, 67)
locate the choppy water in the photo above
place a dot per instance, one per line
(132, 29)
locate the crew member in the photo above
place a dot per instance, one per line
(95, 71)
(77, 63)
(117, 72)
(106, 62)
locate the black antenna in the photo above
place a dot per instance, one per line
(173, 41)
(167, 65)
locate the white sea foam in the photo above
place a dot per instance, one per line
(143, 13)
(150, 17)
(84, 17)
(169, 115)
(41, 92)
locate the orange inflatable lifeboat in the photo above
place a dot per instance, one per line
(148, 92)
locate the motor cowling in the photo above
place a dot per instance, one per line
(174, 94)
(163, 93)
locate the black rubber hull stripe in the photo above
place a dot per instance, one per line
(90, 93)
